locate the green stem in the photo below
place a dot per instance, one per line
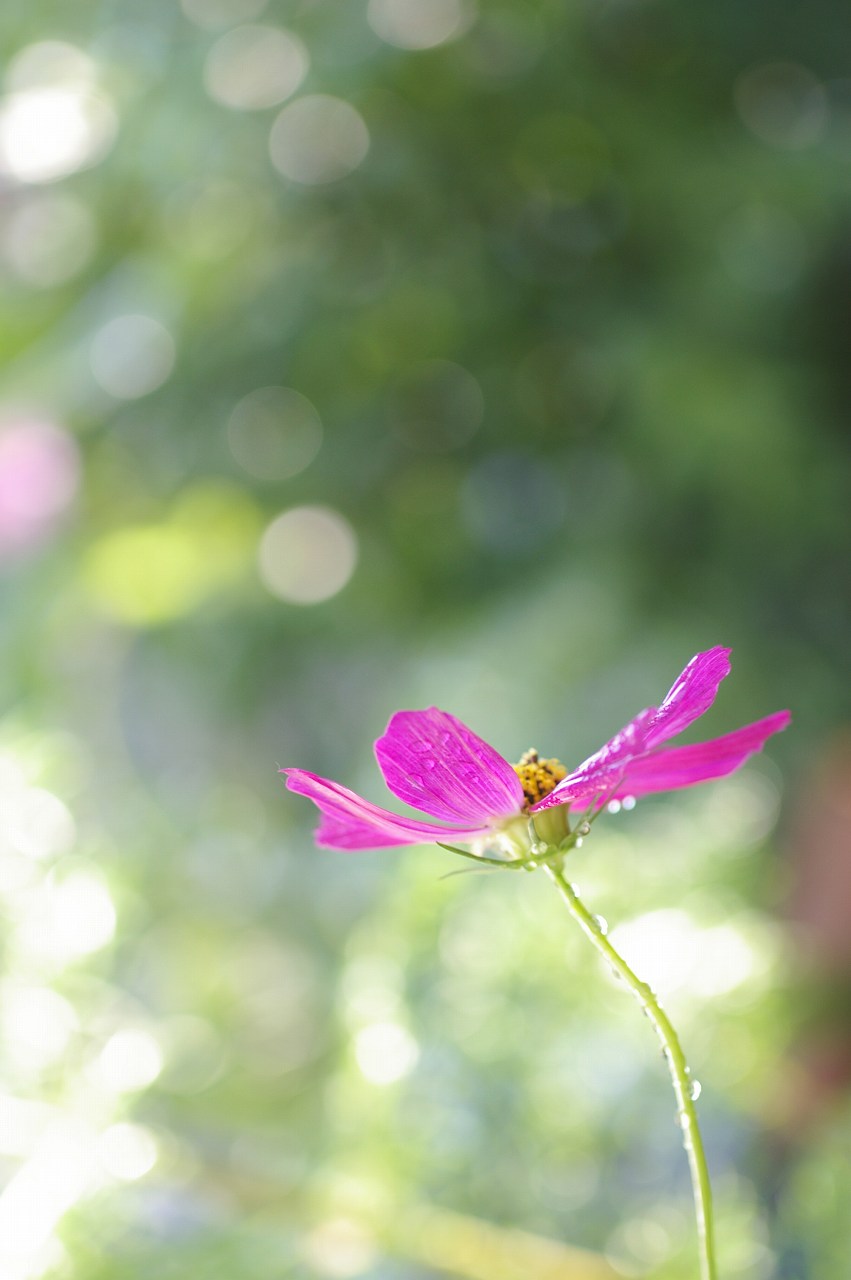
(676, 1062)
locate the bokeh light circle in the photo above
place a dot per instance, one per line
(49, 238)
(318, 139)
(419, 24)
(127, 1151)
(212, 15)
(763, 247)
(130, 1061)
(274, 433)
(253, 67)
(307, 555)
(36, 1024)
(49, 62)
(782, 104)
(81, 916)
(48, 132)
(437, 405)
(54, 119)
(132, 355)
(385, 1052)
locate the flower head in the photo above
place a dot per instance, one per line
(435, 764)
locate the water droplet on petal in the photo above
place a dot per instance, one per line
(602, 924)
(614, 806)
(628, 802)
(430, 764)
(695, 1090)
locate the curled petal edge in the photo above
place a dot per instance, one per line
(690, 696)
(351, 823)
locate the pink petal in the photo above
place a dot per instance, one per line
(678, 767)
(604, 769)
(702, 762)
(349, 822)
(692, 693)
(436, 764)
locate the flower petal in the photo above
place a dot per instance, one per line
(350, 822)
(701, 762)
(692, 693)
(603, 770)
(677, 767)
(436, 764)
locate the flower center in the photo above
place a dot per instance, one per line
(538, 777)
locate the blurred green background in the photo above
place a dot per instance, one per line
(359, 356)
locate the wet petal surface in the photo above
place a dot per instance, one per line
(691, 694)
(677, 767)
(667, 770)
(436, 764)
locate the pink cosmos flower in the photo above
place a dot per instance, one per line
(437, 765)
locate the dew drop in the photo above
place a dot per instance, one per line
(577, 844)
(429, 764)
(695, 1090)
(584, 828)
(602, 924)
(614, 806)
(683, 1120)
(628, 802)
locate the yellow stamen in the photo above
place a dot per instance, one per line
(538, 777)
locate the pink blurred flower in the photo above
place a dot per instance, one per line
(437, 765)
(39, 475)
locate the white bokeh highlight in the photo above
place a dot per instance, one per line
(419, 24)
(49, 239)
(307, 555)
(127, 1151)
(385, 1052)
(318, 139)
(254, 67)
(54, 119)
(132, 355)
(130, 1061)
